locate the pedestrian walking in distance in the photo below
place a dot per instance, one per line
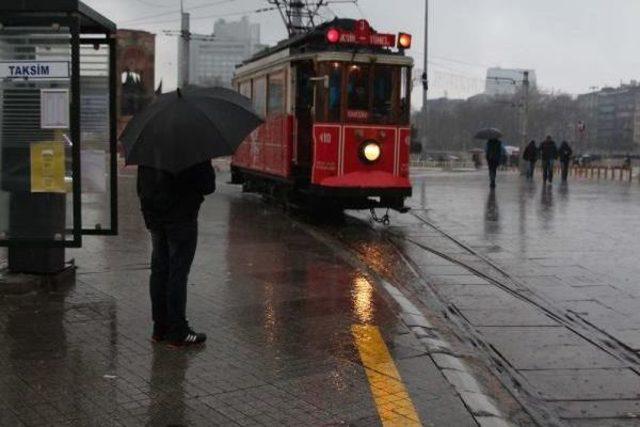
(548, 155)
(530, 155)
(170, 205)
(565, 152)
(494, 154)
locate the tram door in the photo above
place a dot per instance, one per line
(303, 111)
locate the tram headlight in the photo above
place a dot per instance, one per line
(370, 151)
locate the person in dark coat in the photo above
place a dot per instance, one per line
(548, 154)
(170, 206)
(531, 155)
(493, 154)
(565, 152)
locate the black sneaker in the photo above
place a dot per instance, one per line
(190, 339)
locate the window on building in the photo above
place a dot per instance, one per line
(260, 96)
(276, 104)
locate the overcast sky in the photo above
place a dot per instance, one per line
(573, 45)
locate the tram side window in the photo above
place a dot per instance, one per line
(358, 87)
(260, 96)
(275, 103)
(405, 95)
(383, 94)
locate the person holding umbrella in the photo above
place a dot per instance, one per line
(172, 141)
(494, 152)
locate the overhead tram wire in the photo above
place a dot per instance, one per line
(218, 15)
(175, 11)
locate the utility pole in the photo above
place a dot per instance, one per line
(425, 80)
(184, 48)
(525, 118)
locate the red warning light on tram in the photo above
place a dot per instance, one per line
(333, 36)
(404, 41)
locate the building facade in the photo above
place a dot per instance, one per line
(612, 118)
(507, 81)
(213, 59)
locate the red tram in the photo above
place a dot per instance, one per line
(337, 107)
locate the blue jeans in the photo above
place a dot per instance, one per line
(174, 247)
(547, 170)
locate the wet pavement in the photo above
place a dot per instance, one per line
(297, 336)
(543, 280)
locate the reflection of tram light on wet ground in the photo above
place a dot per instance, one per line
(337, 106)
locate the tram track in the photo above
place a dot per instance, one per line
(569, 319)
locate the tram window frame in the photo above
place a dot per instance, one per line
(259, 95)
(324, 111)
(276, 106)
(404, 100)
(366, 102)
(391, 113)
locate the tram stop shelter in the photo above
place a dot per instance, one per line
(58, 171)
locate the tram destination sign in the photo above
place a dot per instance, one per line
(362, 34)
(34, 69)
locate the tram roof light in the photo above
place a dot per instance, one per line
(404, 41)
(333, 35)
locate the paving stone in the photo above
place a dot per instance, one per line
(585, 384)
(493, 422)
(522, 316)
(462, 381)
(547, 348)
(598, 409)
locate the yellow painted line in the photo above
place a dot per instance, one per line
(392, 400)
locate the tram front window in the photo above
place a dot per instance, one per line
(335, 91)
(358, 91)
(383, 94)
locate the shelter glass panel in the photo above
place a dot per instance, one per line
(36, 146)
(95, 137)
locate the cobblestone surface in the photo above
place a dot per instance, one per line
(278, 306)
(546, 277)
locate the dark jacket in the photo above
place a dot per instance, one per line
(565, 152)
(530, 152)
(169, 199)
(493, 151)
(548, 150)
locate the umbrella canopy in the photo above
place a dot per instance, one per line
(182, 128)
(488, 133)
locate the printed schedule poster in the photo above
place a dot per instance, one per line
(47, 167)
(54, 108)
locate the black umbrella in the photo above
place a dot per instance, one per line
(182, 128)
(488, 133)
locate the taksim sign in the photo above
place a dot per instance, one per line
(34, 69)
